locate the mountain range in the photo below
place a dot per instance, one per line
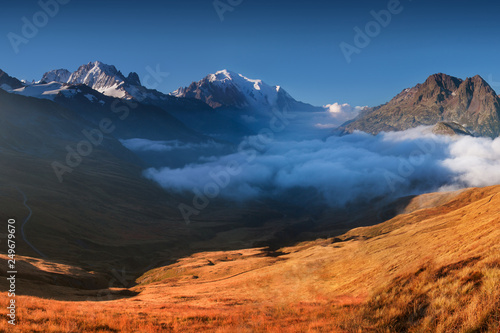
(92, 227)
(225, 107)
(224, 89)
(222, 104)
(206, 116)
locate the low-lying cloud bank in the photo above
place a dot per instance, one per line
(139, 145)
(346, 169)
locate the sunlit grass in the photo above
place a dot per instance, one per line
(432, 270)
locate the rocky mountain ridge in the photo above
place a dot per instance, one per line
(472, 103)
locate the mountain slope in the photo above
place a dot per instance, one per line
(104, 213)
(7, 82)
(434, 268)
(142, 120)
(101, 198)
(441, 98)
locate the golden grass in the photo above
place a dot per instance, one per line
(38, 315)
(435, 269)
(461, 297)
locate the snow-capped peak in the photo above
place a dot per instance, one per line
(229, 89)
(225, 76)
(57, 75)
(101, 77)
(221, 76)
(104, 78)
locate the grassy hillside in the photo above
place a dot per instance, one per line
(434, 268)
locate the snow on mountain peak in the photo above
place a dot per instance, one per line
(253, 93)
(221, 76)
(46, 90)
(227, 89)
(56, 75)
(99, 76)
(104, 78)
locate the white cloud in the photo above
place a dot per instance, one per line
(325, 126)
(346, 169)
(476, 161)
(339, 114)
(139, 145)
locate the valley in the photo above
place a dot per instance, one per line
(235, 166)
(372, 229)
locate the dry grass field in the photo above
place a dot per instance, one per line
(434, 268)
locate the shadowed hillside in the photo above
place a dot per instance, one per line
(434, 268)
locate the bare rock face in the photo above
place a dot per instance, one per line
(441, 98)
(450, 128)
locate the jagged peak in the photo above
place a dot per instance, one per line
(133, 78)
(478, 79)
(444, 81)
(478, 84)
(109, 69)
(95, 69)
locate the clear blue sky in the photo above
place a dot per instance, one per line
(291, 43)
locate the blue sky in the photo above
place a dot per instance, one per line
(291, 43)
